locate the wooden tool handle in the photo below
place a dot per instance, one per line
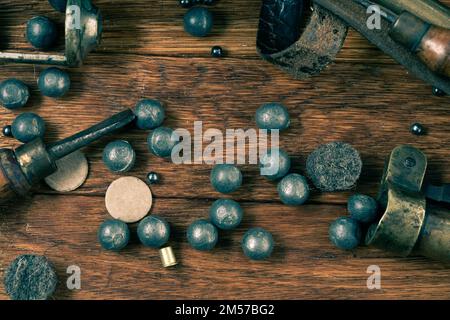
(6, 192)
(434, 50)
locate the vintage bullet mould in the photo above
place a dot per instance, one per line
(83, 29)
(410, 224)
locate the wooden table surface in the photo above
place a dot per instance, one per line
(364, 98)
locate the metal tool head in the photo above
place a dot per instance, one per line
(83, 30)
(299, 38)
(401, 197)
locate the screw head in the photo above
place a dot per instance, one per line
(27, 127)
(198, 21)
(410, 162)
(41, 32)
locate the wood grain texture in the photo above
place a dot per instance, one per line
(304, 265)
(364, 99)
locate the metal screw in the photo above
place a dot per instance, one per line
(410, 162)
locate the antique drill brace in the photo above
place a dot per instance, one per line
(409, 224)
(299, 39)
(83, 29)
(303, 36)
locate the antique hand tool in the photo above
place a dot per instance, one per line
(431, 11)
(355, 15)
(300, 40)
(430, 43)
(31, 162)
(83, 29)
(409, 224)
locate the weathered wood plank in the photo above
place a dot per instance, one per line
(304, 265)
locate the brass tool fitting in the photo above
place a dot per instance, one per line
(409, 224)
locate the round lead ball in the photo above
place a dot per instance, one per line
(113, 235)
(27, 127)
(272, 116)
(202, 235)
(54, 82)
(275, 164)
(153, 231)
(362, 208)
(198, 21)
(14, 94)
(226, 214)
(119, 156)
(293, 190)
(345, 233)
(30, 277)
(257, 244)
(41, 32)
(161, 141)
(149, 113)
(226, 178)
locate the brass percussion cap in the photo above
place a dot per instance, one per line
(168, 258)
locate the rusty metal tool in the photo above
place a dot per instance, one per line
(83, 29)
(410, 224)
(356, 17)
(20, 169)
(430, 43)
(299, 37)
(431, 11)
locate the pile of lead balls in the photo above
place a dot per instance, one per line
(14, 94)
(41, 33)
(129, 199)
(227, 214)
(334, 166)
(346, 232)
